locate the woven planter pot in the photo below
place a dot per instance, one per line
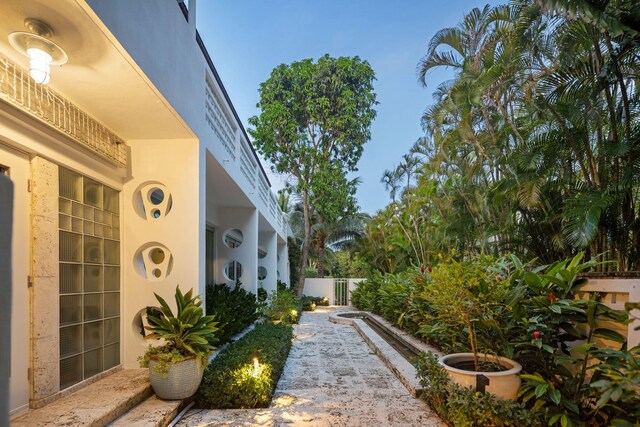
(504, 384)
(180, 382)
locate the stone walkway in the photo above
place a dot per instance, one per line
(331, 378)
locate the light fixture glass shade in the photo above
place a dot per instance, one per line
(39, 65)
(42, 52)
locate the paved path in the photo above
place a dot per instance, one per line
(331, 378)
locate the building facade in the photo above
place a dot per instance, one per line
(132, 174)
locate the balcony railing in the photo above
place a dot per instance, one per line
(44, 104)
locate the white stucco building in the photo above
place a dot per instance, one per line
(132, 174)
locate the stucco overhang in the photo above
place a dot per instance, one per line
(101, 77)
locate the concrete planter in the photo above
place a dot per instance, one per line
(182, 380)
(504, 384)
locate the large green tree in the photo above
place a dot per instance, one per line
(315, 118)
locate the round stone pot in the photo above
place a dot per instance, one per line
(504, 384)
(182, 380)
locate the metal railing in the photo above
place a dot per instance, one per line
(341, 291)
(44, 104)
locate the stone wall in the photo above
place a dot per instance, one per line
(45, 340)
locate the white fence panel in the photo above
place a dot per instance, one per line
(325, 288)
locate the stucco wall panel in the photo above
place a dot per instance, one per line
(175, 164)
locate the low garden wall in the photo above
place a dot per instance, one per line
(617, 291)
(325, 288)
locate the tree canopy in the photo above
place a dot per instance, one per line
(532, 148)
(315, 117)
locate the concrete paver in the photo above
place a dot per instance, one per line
(331, 378)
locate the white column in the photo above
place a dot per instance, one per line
(245, 220)
(269, 242)
(173, 224)
(283, 263)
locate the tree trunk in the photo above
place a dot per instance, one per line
(306, 244)
(320, 246)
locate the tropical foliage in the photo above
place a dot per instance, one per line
(329, 235)
(532, 148)
(187, 333)
(577, 369)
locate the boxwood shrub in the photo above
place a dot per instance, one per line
(234, 307)
(232, 380)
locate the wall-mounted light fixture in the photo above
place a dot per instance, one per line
(41, 51)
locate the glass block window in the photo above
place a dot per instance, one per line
(89, 223)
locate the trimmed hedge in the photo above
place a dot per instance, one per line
(235, 309)
(231, 380)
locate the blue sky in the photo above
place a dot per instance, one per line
(248, 38)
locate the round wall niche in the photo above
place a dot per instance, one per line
(233, 238)
(156, 196)
(152, 201)
(233, 271)
(261, 253)
(138, 325)
(157, 255)
(153, 261)
(262, 273)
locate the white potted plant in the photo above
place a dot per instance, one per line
(176, 367)
(461, 293)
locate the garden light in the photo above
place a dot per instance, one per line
(41, 51)
(256, 367)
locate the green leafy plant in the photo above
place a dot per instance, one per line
(310, 303)
(557, 337)
(465, 294)
(466, 407)
(262, 295)
(283, 307)
(332, 94)
(188, 333)
(244, 375)
(234, 307)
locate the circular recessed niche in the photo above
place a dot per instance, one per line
(278, 258)
(278, 275)
(157, 255)
(233, 271)
(152, 201)
(138, 325)
(156, 196)
(153, 261)
(232, 238)
(262, 253)
(262, 273)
